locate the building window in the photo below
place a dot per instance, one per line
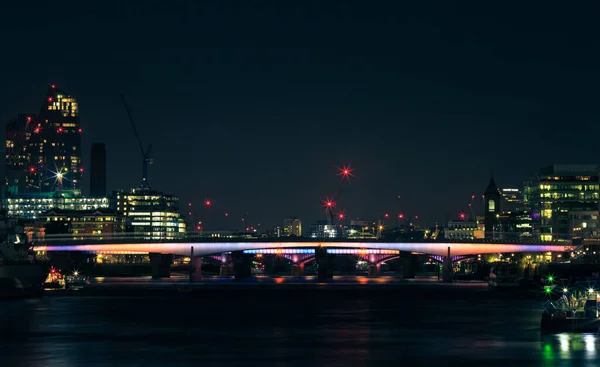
(491, 206)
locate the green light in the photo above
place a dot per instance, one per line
(548, 290)
(550, 278)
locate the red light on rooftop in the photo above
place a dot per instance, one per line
(60, 130)
(386, 215)
(416, 217)
(400, 215)
(31, 169)
(28, 118)
(36, 130)
(81, 169)
(79, 130)
(53, 86)
(207, 203)
(462, 215)
(49, 99)
(226, 214)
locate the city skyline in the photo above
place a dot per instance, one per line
(263, 132)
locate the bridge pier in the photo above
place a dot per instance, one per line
(373, 270)
(161, 265)
(324, 263)
(447, 275)
(406, 265)
(242, 264)
(195, 269)
(297, 270)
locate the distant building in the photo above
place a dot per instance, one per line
(151, 214)
(583, 224)
(81, 224)
(322, 229)
(98, 170)
(462, 230)
(292, 227)
(493, 208)
(556, 191)
(363, 228)
(30, 206)
(512, 199)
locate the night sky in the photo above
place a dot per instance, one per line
(254, 103)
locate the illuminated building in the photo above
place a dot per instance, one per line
(322, 229)
(512, 199)
(16, 158)
(30, 206)
(292, 227)
(152, 214)
(44, 151)
(81, 224)
(98, 170)
(460, 230)
(583, 224)
(555, 192)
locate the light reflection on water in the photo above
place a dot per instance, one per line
(278, 327)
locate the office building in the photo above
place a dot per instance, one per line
(462, 230)
(322, 229)
(292, 227)
(98, 170)
(512, 199)
(80, 224)
(32, 205)
(555, 192)
(493, 207)
(151, 214)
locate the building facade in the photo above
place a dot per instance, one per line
(98, 170)
(493, 207)
(150, 214)
(292, 227)
(80, 224)
(31, 205)
(462, 230)
(556, 191)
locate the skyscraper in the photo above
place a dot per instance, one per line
(16, 158)
(53, 145)
(98, 170)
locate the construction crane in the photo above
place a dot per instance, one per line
(145, 153)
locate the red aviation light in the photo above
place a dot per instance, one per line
(60, 130)
(387, 215)
(36, 130)
(462, 215)
(28, 118)
(32, 169)
(49, 99)
(80, 130)
(81, 169)
(53, 86)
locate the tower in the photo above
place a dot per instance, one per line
(493, 201)
(54, 146)
(98, 170)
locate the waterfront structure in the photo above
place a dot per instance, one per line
(98, 224)
(98, 170)
(292, 227)
(31, 205)
(556, 191)
(151, 214)
(44, 150)
(493, 207)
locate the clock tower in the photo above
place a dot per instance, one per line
(493, 201)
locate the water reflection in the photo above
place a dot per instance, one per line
(570, 346)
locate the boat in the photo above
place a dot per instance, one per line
(20, 273)
(503, 275)
(575, 311)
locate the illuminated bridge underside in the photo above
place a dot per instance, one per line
(202, 249)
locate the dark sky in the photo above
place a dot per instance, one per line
(254, 103)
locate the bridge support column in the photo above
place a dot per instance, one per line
(406, 265)
(161, 265)
(297, 270)
(447, 275)
(195, 269)
(373, 270)
(242, 264)
(324, 263)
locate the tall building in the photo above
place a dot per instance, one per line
(151, 214)
(98, 170)
(16, 157)
(292, 227)
(44, 151)
(493, 208)
(555, 192)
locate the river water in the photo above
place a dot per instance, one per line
(236, 324)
